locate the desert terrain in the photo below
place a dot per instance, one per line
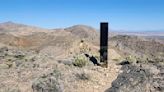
(35, 59)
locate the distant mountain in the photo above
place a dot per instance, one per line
(83, 31)
(19, 29)
(144, 33)
(14, 34)
(21, 35)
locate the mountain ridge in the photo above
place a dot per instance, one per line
(12, 26)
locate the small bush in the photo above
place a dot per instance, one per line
(80, 61)
(10, 89)
(131, 58)
(9, 60)
(19, 56)
(96, 55)
(115, 59)
(48, 83)
(83, 76)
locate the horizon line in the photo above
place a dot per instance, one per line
(110, 29)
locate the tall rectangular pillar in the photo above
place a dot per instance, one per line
(104, 43)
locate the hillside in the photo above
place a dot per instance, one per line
(19, 29)
(33, 59)
(139, 47)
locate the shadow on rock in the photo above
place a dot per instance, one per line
(92, 59)
(125, 62)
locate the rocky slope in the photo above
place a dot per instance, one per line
(139, 47)
(19, 29)
(40, 60)
(139, 78)
(142, 67)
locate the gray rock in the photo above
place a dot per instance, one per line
(138, 79)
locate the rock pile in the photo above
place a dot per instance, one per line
(139, 78)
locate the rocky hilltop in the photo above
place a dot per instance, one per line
(35, 59)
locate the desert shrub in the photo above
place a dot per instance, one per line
(26, 60)
(10, 65)
(10, 89)
(80, 61)
(131, 58)
(84, 47)
(83, 76)
(4, 66)
(9, 59)
(6, 54)
(115, 59)
(19, 56)
(48, 83)
(96, 55)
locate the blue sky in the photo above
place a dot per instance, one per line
(131, 15)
